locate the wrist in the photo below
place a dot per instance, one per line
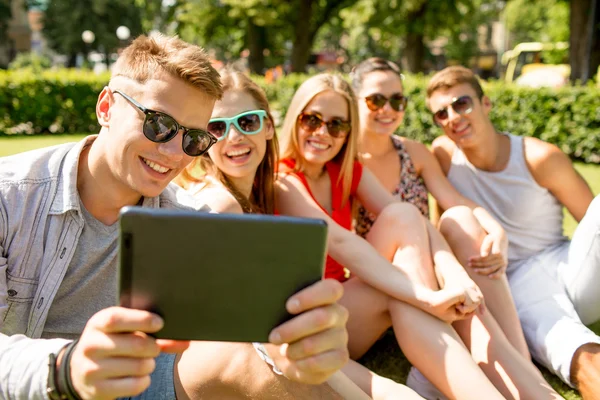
(60, 385)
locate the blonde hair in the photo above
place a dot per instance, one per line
(148, 55)
(262, 199)
(289, 132)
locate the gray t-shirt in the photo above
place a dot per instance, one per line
(90, 283)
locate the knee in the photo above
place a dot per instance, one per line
(400, 215)
(459, 221)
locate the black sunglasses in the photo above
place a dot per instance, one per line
(160, 128)
(377, 101)
(336, 127)
(462, 105)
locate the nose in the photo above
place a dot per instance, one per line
(234, 135)
(387, 107)
(322, 130)
(453, 115)
(173, 149)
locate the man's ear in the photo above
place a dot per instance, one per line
(487, 104)
(105, 101)
(270, 129)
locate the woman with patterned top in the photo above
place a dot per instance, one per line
(410, 172)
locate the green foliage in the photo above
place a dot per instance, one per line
(537, 20)
(49, 102)
(65, 20)
(35, 62)
(64, 102)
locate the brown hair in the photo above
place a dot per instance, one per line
(146, 55)
(289, 132)
(262, 199)
(453, 76)
(370, 65)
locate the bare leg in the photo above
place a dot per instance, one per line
(377, 387)
(585, 371)
(463, 233)
(222, 370)
(430, 344)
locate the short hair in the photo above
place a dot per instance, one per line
(371, 65)
(263, 192)
(289, 132)
(453, 76)
(148, 55)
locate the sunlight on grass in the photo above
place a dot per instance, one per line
(11, 145)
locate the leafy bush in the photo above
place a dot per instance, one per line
(49, 102)
(64, 102)
(36, 62)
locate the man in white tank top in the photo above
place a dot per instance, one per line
(524, 183)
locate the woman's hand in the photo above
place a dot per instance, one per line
(493, 257)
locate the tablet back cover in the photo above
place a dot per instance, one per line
(221, 277)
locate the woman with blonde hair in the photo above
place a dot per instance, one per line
(404, 274)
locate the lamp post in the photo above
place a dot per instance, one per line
(123, 33)
(88, 38)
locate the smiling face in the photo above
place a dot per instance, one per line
(386, 120)
(136, 165)
(467, 129)
(318, 147)
(238, 155)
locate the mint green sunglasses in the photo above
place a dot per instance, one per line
(248, 123)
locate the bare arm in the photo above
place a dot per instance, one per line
(552, 169)
(372, 194)
(351, 250)
(219, 200)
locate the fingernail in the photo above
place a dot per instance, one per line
(275, 337)
(293, 305)
(283, 349)
(157, 322)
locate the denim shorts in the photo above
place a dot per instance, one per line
(162, 386)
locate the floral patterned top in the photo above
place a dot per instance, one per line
(411, 188)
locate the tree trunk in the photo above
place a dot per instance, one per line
(302, 37)
(415, 45)
(72, 60)
(415, 52)
(595, 49)
(256, 41)
(580, 42)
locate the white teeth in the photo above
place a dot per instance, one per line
(156, 167)
(320, 146)
(235, 153)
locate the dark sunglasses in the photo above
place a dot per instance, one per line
(462, 105)
(336, 127)
(160, 128)
(377, 101)
(248, 123)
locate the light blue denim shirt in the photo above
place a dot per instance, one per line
(40, 225)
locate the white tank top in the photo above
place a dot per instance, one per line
(531, 216)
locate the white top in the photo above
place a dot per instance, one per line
(531, 216)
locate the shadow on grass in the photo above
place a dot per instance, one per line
(386, 359)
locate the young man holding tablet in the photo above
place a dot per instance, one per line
(58, 251)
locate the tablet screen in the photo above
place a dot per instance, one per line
(222, 277)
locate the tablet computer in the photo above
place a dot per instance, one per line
(222, 277)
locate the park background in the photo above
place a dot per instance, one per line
(55, 57)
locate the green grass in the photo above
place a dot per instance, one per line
(16, 144)
(385, 356)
